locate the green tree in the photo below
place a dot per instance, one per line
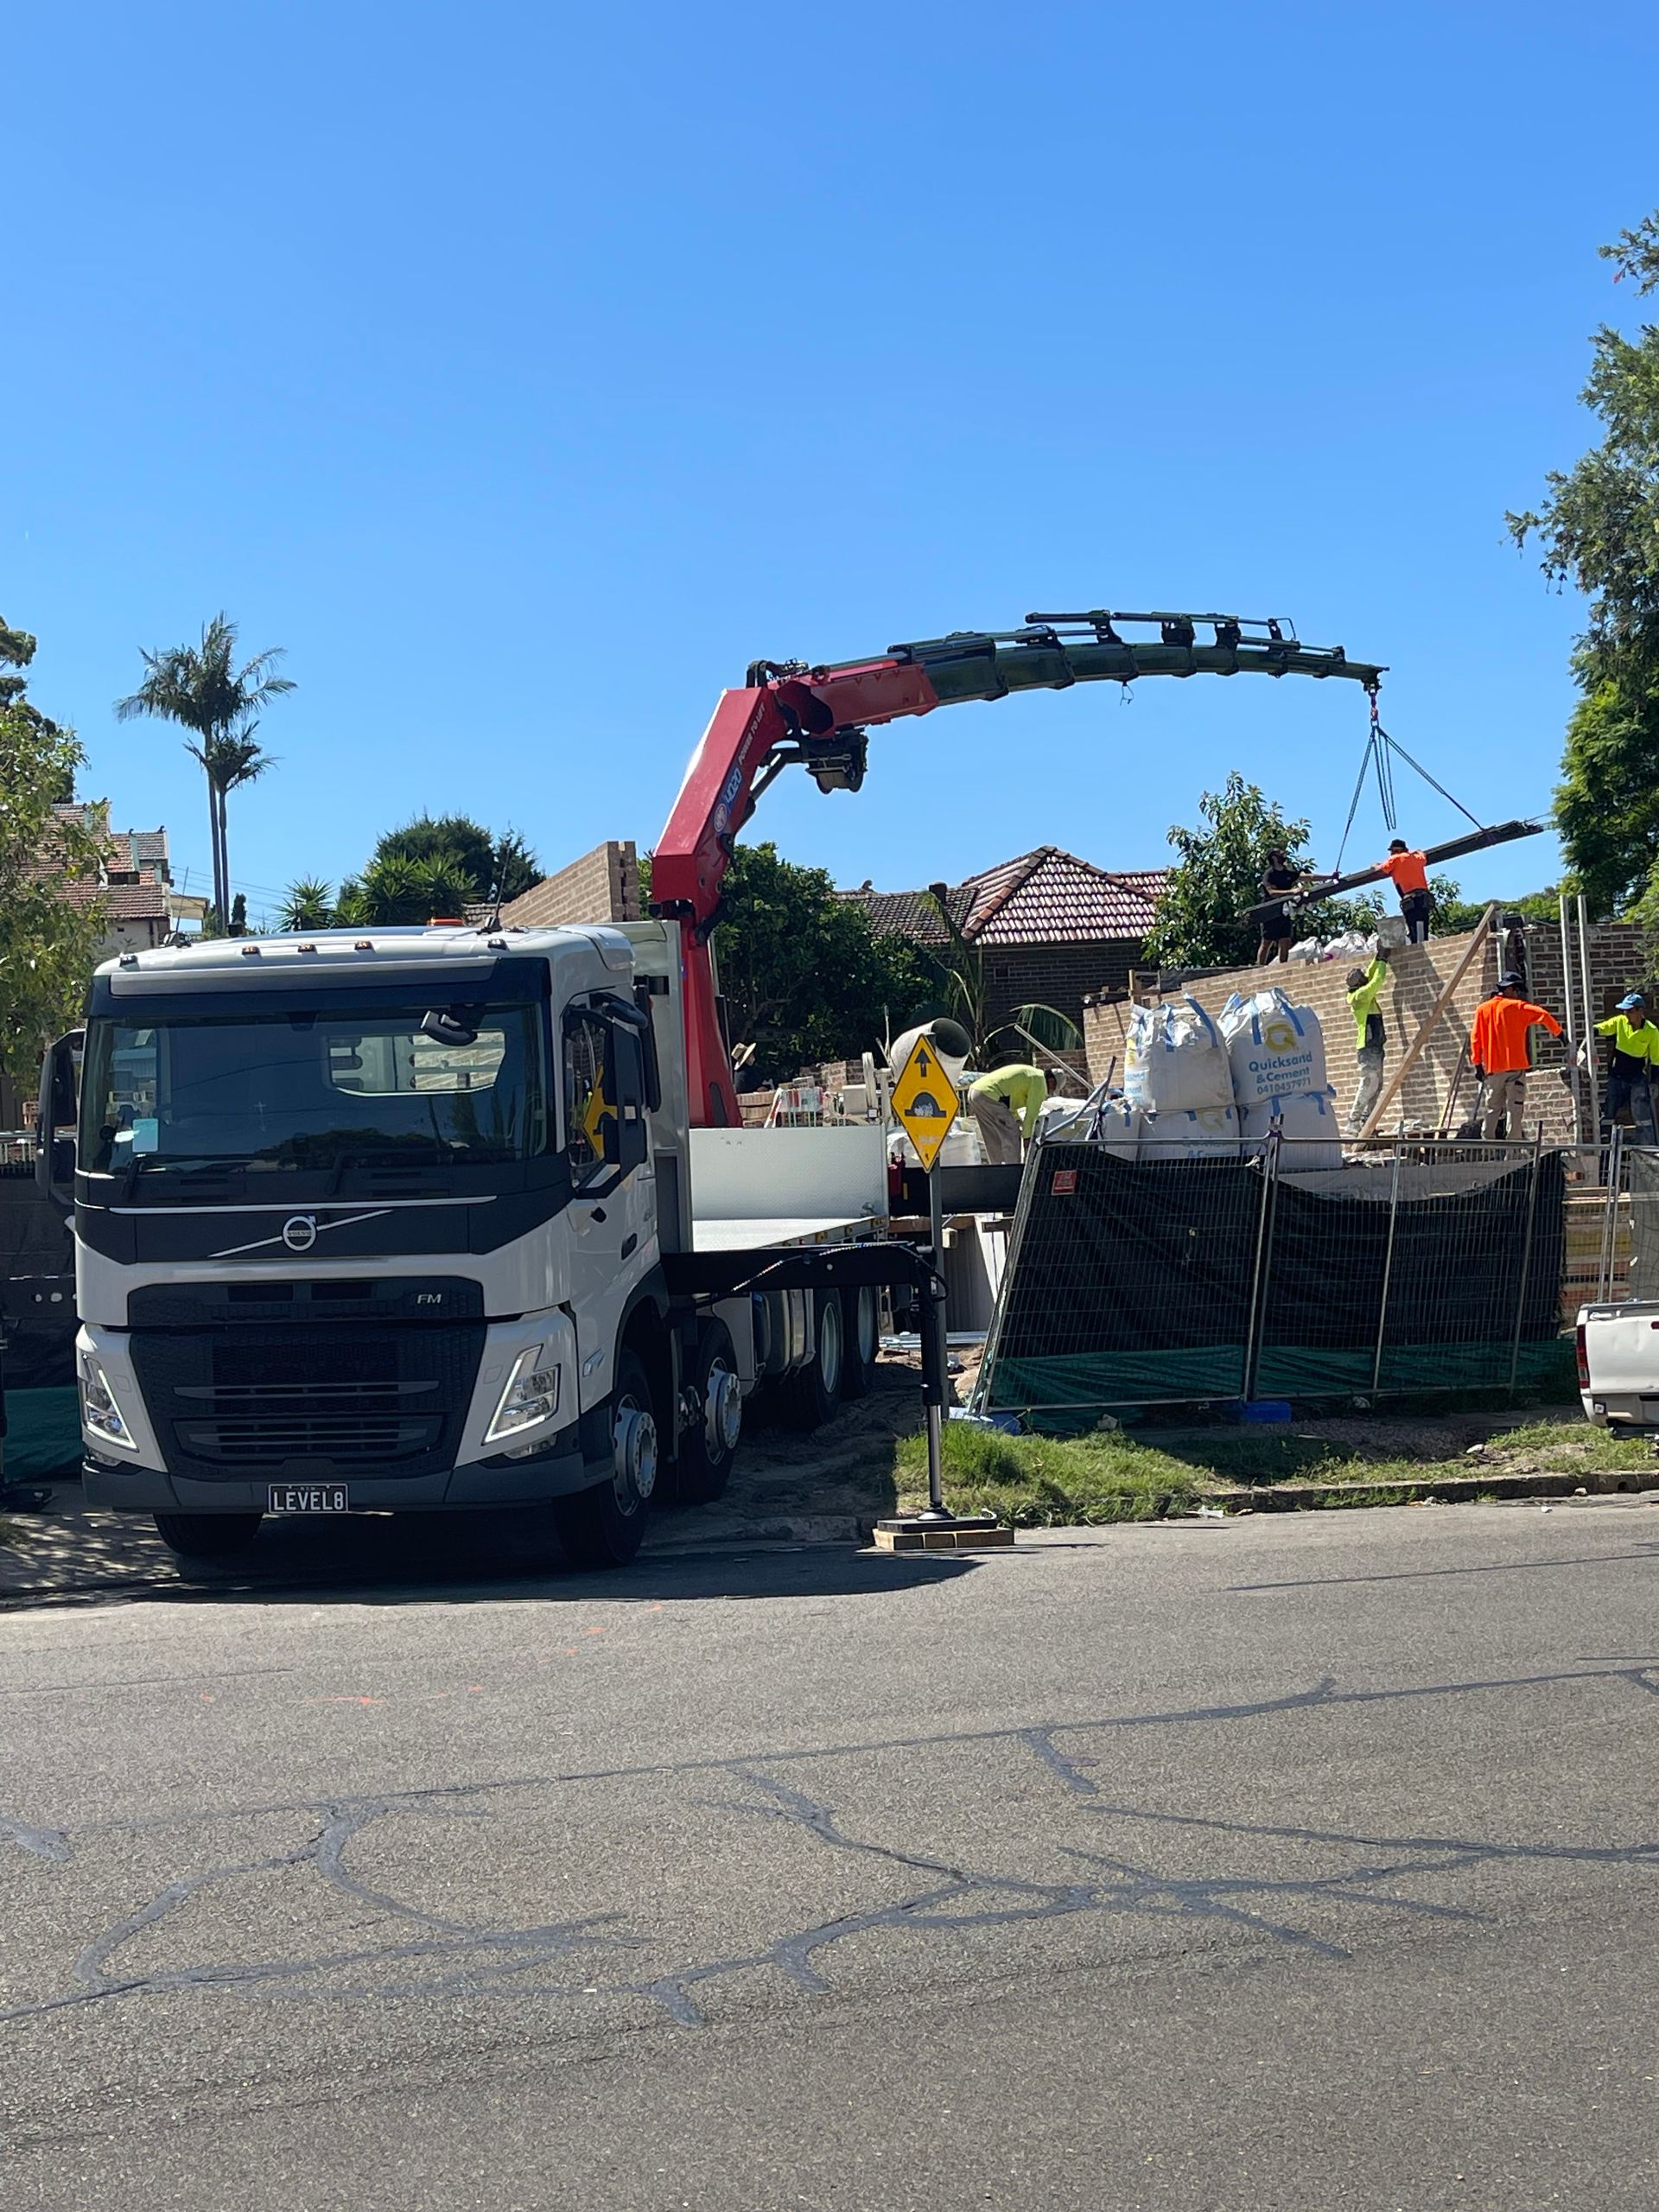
(394, 889)
(1597, 529)
(1200, 918)
(1607, 802)
(201, 688)
(48, 946)
(804, 976)
(498, 867)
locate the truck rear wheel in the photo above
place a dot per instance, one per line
(208, 1535)
(808, 1396)
(605, 1526)
(861, 1314)
(709, 1444)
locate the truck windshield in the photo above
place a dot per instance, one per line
(314, 1089)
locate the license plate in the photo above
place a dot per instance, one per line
(308, 1498)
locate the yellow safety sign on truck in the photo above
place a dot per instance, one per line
(924, 1102)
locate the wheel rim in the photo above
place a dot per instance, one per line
(634, 1454)
(723, 1410)
(865, 1327)
(829, 1345)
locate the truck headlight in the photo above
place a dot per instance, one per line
(530, 1397)
(101, 1415)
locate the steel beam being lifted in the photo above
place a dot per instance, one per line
(1476, 840)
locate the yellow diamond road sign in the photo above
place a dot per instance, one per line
(925, 1100)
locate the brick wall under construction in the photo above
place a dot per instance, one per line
(1621, 957)
(603, 886)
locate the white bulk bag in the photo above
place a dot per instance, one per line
(1203, 1133)
(1308, 1125)
(1120, 1129)
(1174, 1060)
(1110, 1123)
(1276, 1050)
(1353, 946)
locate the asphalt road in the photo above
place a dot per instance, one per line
(1284, 1863)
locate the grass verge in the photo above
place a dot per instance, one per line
(1042, 1482)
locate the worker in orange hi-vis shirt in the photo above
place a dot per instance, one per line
(1410, 873)
(1500, 1052)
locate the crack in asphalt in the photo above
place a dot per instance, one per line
(438, 1955)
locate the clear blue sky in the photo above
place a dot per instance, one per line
(527, 370)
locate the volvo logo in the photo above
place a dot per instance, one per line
(299, 1233)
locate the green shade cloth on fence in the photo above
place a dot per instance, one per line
(1064, 1397)
(1131, 1283)
(42, 1434)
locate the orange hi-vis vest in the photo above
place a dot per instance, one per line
(1498, 1038)
(1410, 871)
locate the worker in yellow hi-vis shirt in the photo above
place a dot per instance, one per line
(1629, 1077)
(1005, 1105)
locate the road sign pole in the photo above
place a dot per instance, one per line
(936, 1319)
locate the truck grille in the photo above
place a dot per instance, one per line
(296, 1400)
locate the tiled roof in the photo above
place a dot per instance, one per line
(1048, 897)
(122, 902)
(911, 913)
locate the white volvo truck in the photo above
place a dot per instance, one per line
(414, 1220)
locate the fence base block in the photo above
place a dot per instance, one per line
(967, 1532)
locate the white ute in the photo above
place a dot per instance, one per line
(1618, 1365)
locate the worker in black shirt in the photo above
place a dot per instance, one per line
(1278, 878)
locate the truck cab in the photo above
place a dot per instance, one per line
(378, 1222)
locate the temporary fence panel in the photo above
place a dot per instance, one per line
(1125, 1282)
(1641, 1175)
(1426, 1291)
(1130, 1284)
(37, 1331)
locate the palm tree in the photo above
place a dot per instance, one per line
(310, 904)
(204, 691)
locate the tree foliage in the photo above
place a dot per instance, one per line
(1597, 529)
(1607, 802)
(48, 946)
(804, 976)
(500, 867)
(202, 690)
(433, 866)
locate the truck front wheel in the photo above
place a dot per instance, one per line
(605, 1526)
(208, 1535)
(708, 1444)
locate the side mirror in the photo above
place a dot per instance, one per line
(54, 1127)
(624, 1135)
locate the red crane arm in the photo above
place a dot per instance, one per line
(818, 717)
(752, 730)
